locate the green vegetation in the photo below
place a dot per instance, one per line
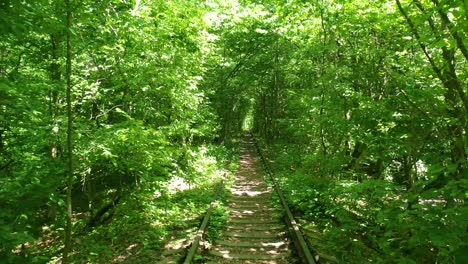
(360, 105)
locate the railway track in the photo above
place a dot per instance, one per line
(256, 232)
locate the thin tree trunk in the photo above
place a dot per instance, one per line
(55, 76)
(68, 228)
(322, 91)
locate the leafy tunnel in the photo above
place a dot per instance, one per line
(118, 118)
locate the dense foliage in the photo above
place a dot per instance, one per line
(364, 108)
(361, 105)
(140, 115)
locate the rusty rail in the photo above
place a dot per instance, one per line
(294, 229)
(204, 224)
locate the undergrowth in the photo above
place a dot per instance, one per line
(147, 217)
(374, 220)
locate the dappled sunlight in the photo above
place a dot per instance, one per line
(226, 253)
(249, 193)
(128, 251)
(177, 184)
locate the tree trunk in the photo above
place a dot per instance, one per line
(357, 155)
(68, 228)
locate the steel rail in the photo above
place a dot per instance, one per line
(294, 229)
(204, 224)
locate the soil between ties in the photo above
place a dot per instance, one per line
(254, 232)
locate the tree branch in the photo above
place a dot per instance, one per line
(446, 21)
(421, 44)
